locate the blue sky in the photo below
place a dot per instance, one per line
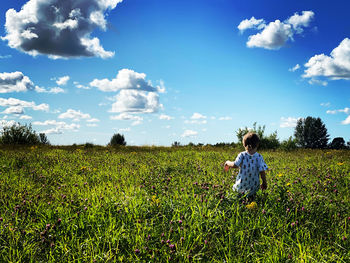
(165, 71)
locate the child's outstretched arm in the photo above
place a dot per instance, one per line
(230, 164)
(263, 185)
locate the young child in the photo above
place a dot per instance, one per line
(251, 164)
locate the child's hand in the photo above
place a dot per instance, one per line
(227, 165)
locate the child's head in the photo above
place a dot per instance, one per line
(251, 141)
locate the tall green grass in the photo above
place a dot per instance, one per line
(170, 205)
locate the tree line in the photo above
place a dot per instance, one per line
(310, 133)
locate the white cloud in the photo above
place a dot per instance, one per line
(189, 133)
(226, 118)
(62, 80)
(289, 122)
(277, 33)
(59, 29)
(91, 125)
(295, 68)
(135, 95)
(14, 110)
(93, 120)
(345, 110)
(165, 117)
(346, 121)
(26, 117)
(59, 127)
(251, 23)
(5, 56)
(300, 21)
(125, 79)
(198, 116)
(136, 123)
(136, 101)
(325, 104)
(79, 86)
(335, 66)
(314, 81)
(54, 90)
(124, 130)
(331, 112)
(14, 82)
(125, 116)
(15, 105)
(73, 114)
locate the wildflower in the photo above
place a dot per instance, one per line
(263, 211)
(344, 238)
(280, 175)
(340, 163)
(137, 251)
(180, 222)
(253, 205)
(172, 246)
(205, 242)
(303, 208)
(182, 239)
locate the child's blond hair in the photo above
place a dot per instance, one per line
(251, 140)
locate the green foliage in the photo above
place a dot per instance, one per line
(117, 139)
(311, 133)
(338, 143)
(158, 204)
(289, 144)
(266, 142)
(18, 134)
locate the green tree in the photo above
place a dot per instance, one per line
(18, 134)
(266, 142)
(311, 133)
(338, 143)
(117, 139)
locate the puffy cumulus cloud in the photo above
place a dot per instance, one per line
(75, 115)
(58, 126)
(165, 117)
(251, 23)
(289, 122)
(54, 90)
(136, 102)
(135, 93)
(14, 82)
(275, 34)
(16, 106)
(59, 29)
(93, 120)
(335, 66)
(189, 133)
(62, 80)
(125, 79)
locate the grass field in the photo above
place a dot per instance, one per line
(153, 204)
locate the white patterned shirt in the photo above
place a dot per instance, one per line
(247, 180)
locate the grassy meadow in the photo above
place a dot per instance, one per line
(154, 204)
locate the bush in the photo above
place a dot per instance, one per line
(18, 134)
(289, 144)
(117, 139)
(338, 143)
